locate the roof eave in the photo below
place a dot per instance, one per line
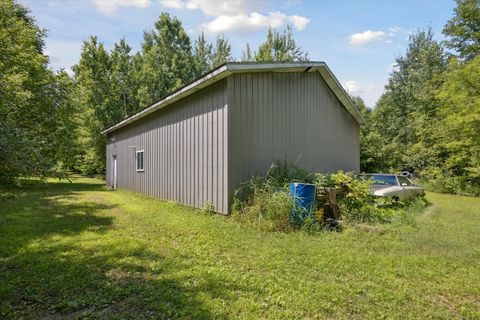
(230, 68)
(199, 84)
(341, 94)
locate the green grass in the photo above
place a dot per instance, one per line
(78, 250)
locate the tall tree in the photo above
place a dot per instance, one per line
(404, 112)
(279, 46)
(369, 140)
(32, 105)
(247, 54)
(463, 30)
(98, 108)
(221, 52)
(201, 55)
(457, 130)
(167, 61)
(124, 88)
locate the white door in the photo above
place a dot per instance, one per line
(114, 178)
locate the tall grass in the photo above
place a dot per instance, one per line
(266, 201)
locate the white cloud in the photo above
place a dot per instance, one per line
(111, 6)
(253, 21)
(215, 8)
(245, 23)
(387, 36)
(351, 86)
(179, 4)
(175, 4)
(366, 37)
(237, 16)
(299, 22)
(394, 29)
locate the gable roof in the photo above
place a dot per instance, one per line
(229, 68)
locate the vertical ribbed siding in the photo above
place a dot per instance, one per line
(293, 116)
(185, 146)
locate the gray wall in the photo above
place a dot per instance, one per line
(201, 148)
(293, 116)
(185, 151)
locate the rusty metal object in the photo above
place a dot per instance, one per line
(327, 199)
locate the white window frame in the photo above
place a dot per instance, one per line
(143, 160)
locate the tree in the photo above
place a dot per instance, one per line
(277, 47)
(167, 61)
(34, 108)
(403, 117)
(221, 52)
(463, 30)
(201, 55)
(98, 109)
(457, 131)
(369, 141)
(124, 88)
(247, 54)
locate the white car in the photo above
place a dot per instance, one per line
(396, 187)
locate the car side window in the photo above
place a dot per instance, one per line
(404, 181)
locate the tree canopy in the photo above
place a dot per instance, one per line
(463, 31)
(279, 46)
(35, 102)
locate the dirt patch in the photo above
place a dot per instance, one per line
(442, 300)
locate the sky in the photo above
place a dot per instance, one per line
(359, 40)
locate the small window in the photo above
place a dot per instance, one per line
(404, 181)
(139, 161)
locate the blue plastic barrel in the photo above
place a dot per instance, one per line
(304, 196)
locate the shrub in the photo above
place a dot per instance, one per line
(452, 185)
(266, 201)
(265, 204)
(356, 202)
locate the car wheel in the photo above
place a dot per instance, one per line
(395, 198)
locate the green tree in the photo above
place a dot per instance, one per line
(279, 46)
(98, 109)
(167, 60)
(404, 115)
(458, 128)
(247, 54)
(124, 88)
(463, 30)
(369, 140)
(201, 55)
(221, 52)
(33, 106)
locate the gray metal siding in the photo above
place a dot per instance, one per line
(185, 157)
(293, 116)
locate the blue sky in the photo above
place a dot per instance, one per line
(359, 40)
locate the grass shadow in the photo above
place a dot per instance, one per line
(63, 257)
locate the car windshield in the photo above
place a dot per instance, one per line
(383, 179)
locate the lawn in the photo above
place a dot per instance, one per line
(79, 250)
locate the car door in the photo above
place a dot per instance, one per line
(407, 187)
